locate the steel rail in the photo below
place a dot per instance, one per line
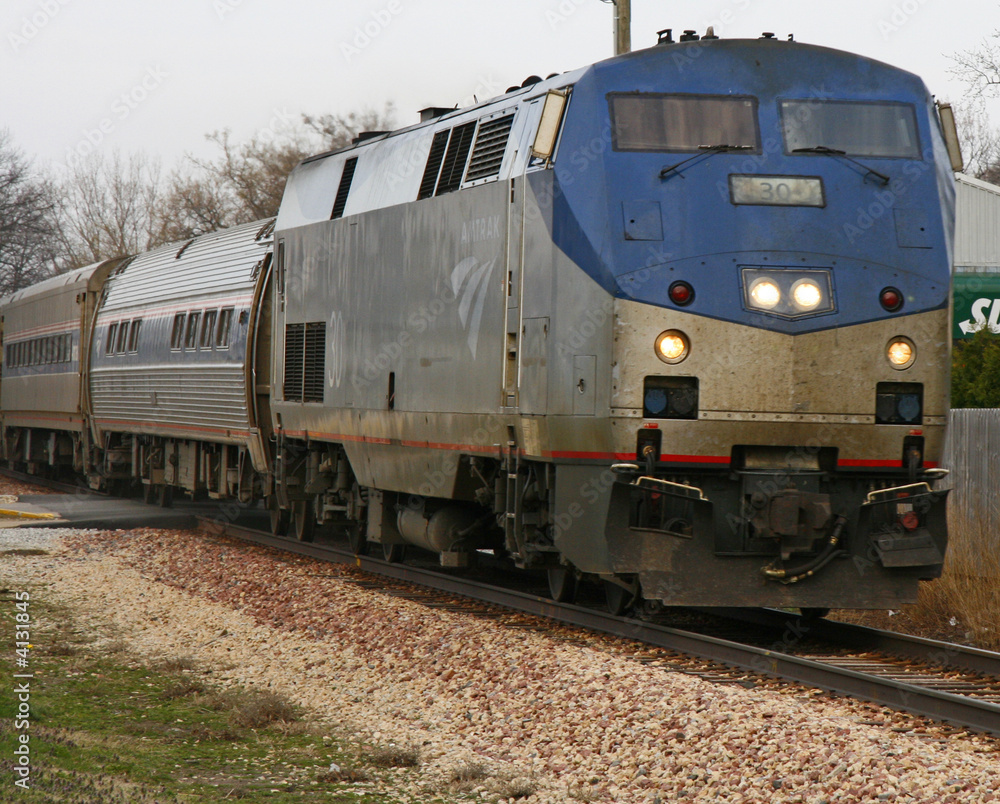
(956, 709)
(941, 655)
(49, 483)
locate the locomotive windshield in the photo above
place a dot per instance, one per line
(654, 122)
(855, 128)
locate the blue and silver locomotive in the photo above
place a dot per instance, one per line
(676, 321)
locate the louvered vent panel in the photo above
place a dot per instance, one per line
(345, 188)
(453, 168)
(491, 143)
(315, 363)
(294, 354)
(429, 181)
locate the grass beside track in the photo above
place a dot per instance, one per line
(106, 728)
(963, 605)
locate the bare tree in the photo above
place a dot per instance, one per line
(108, 207)
(338, 130)
(980, 141)
(245, 181)
(194, 205)
(27, 221)
(980, 68)
(253, 174)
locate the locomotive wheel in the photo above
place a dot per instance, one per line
(562, 584)
(393, 553)
(356, 539)
(279, 517)
(618, 598)
(165, 496)
(305, 522)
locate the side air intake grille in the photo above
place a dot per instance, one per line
(294, 354)
(453, 168)
(491, 143)
(429, 181)
(305, 362)
(345, 188)
(314, 378)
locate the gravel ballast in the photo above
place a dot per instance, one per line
(573, 721)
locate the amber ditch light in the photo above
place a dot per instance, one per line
(672, 346)
(901, 353)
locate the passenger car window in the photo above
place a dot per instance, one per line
(177, 333)
(109, 347)
(133, 336)
(122, 337)
(208, 329)
(657, 122)
(222, 331)
(191, 334)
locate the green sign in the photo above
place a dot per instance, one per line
(977, 304)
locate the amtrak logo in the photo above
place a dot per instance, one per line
(470, 282)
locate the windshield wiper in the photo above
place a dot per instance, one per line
(703, 150)
(822, 149)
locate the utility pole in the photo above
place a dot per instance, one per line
(623, 26)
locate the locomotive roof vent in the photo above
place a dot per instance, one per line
(710, 33)
(431, 112)
(367, 135)
(689, 36)
(666, 36)
(767, 35)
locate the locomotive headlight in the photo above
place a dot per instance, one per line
(788, 292)
(901, 353)
(672, 346)
(765, 293)
(806, 294)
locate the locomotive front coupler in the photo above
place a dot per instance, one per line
(809, 568)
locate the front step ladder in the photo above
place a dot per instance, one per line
(513, 517)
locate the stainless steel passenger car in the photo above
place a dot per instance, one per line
(45, 335)
(180, 338)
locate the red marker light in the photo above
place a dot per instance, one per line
(681, 293)
(891, 299)
(910, 520)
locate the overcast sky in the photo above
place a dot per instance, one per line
(83, 74)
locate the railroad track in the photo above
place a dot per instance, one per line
(944, 681)
(49, 483)
(940, 680)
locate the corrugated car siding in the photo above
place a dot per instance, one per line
(187, 397)
(213, 264)
(977, 225)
